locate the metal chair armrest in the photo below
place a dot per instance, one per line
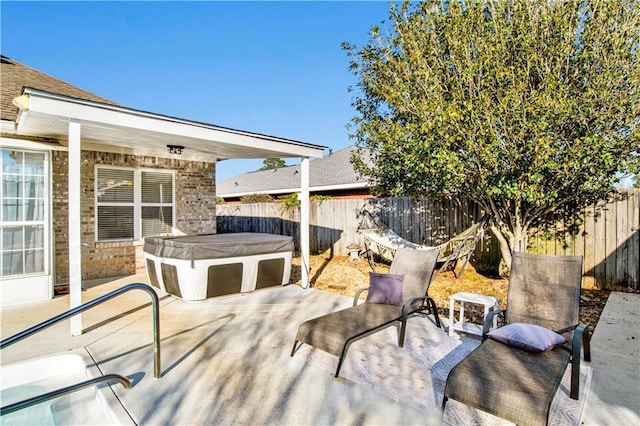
(489, 320)
(356, 297)
(407, 305)
(580, 337)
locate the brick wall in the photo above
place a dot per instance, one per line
(194, 203)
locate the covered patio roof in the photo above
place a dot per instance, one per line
(114, 128)
(79, 124)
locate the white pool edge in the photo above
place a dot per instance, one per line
(30, 370)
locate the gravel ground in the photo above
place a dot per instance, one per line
(339, 274)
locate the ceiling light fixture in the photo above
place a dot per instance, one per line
(175, 149)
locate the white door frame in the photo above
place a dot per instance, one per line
(37, 286)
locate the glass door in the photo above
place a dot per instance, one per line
(24, 224)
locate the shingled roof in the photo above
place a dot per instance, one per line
(333, 171)
(15, 76)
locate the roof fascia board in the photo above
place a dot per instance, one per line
(82, 110)
(340, 186)
(290, 190)
(29, 144)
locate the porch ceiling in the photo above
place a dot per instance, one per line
(117, 129)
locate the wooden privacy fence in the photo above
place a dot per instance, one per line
(606, 235)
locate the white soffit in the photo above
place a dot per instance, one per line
(118, 129)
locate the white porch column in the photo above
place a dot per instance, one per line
(304, 221)
(75, 254)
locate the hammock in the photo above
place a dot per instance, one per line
(385, 243)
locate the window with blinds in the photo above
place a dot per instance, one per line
(157, 203)
(133, 204)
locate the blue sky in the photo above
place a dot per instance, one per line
(268, 67)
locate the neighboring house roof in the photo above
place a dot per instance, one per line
(15, 76)
(332, 172)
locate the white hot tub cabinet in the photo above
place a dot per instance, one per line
(197, 267)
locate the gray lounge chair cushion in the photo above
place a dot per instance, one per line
(517, 385)
(331, 332)
(529, 337)
(385, 288)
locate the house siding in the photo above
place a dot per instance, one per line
(194, 203)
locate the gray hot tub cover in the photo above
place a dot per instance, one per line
(217, 246)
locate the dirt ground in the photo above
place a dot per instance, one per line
(340, 274)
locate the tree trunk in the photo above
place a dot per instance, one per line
(503, 244)
(518, 241)
(511, 240)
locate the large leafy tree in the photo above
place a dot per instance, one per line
(527, 107)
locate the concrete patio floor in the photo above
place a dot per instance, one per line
(227, 360)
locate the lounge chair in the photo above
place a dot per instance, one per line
(517, 384)
(334, 332)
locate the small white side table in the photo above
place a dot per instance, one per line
(490, 304)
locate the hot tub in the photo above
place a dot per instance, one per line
(197, 267)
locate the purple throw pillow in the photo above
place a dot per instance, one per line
(385, 288)
(530, 337)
